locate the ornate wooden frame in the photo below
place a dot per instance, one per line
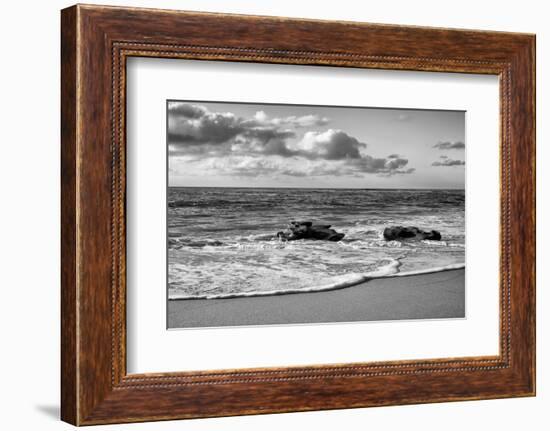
(95, 43)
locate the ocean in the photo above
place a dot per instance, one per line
(222, 241)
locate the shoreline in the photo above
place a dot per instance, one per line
(334, 286)
(398, 296)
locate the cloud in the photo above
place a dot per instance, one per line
(396, 163)
(186, 110)
(261, 116)
(448, 162)
(358, 167)
(277, 166)
(447, 145)
(329, 145)
(193, 129)
(383, 166)
(262, 145)
(264, 140)
(193, 125)
(294, 121)
(246, 166)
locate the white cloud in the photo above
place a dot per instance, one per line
(226, 144)
(447, 145)
(330, 145)
(448, 162)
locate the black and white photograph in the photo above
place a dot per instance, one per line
(293, 214)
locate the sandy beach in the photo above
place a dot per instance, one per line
(436, 295)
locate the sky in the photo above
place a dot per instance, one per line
(262, 145)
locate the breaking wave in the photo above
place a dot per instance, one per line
(337, 282)
(222, 242)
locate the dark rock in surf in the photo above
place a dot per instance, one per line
(307, 230)
(410, 232)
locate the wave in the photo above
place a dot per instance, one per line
(450, 267)
(271, 240)
(339, 282)
(177, 243)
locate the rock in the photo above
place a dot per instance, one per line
(307, 230)
(410, 232)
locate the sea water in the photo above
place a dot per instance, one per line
(222, 241)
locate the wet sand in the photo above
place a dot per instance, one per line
(436, 295)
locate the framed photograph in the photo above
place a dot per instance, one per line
(264, 214)
(244, 252)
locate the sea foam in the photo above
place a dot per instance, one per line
(338, 282)
(222, 242)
